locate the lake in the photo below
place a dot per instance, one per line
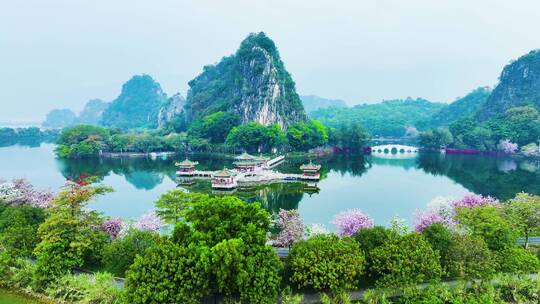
(381, 187)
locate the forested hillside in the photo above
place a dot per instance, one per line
(388, 118)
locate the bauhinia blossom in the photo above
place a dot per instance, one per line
(20, 191)
(112, 227)
(350, 221)
(473, 200)
(292, 228)
(149, 222)
(508, 146)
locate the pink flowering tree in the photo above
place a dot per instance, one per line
(112, 227)
(473, 200)
(291, 226)
(507, 146)
(350, 221)
(149, 222)
(21, 191)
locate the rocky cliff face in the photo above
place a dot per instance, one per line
(137, 106)
(252, 83)
(519, 85)
(92, 112)
(170, 109)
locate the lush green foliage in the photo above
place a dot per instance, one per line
(172, 205)
(389, 118)
(462, 107)
(304, 136)
(434, 139)
(119, 254)
(407, 260)
(69, 236)
(18, 229)
(441, 240)
(470, 258)
(488, 223)
(370, 238)
(223, 218)
(517, 260)
(348, 136)
(98, 288)
(326, 263)
(251, 271)
(169, 273)
(214, 127)
(524, 214)
(255, 137)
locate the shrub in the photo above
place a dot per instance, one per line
(222, 218)
(488, 223)
(326, 263)
(519, 289)
(469, 257)
(407, 260)
(71, 235)
(169, 273)
(252, 272)
(99, 288)
(517, 260)
(441, 240)
(18, 229)
(120, 253)
(370, 238)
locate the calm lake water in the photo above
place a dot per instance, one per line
(380, 187)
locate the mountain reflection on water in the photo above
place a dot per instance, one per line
(383, 187)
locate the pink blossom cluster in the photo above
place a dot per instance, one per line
(424, 219)
(21, 191)
(350, 221)
(473, 200)
(508, 146)
(149, 222)
(292, 228)
(112, 227)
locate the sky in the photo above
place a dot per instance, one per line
(60, 54)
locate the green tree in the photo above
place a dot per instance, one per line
(172, 205)
(370, 238)
(434, 139)
(121, 252)
(326, 263)
(524, 213)
(250, 271)
(469, 257)
(70, 236)
(18, 229)
(407, 260)
(304, 136)
(489, 223)
(221, 218)
(169, 273)
(82, 141)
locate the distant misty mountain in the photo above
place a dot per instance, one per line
(314, 102)
(59, 118)
(466, 106)
(92, 112)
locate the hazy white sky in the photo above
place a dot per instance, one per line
(57, 54)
